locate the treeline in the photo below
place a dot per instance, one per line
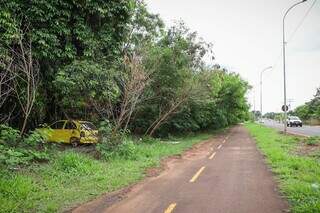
(110, 61)
(307, 112)
(311, 109)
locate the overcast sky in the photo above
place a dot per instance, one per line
(247, 37)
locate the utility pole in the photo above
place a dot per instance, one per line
(284, 64)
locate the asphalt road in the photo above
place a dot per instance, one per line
(304, 130)
(227, 174)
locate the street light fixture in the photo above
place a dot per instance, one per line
(284, 63)
(261, 89)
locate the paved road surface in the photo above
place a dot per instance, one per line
(225, 175)
(305, 130)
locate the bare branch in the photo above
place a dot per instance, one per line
(25, 75)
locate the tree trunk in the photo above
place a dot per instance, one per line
(24, 125)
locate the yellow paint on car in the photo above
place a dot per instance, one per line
(68, 131)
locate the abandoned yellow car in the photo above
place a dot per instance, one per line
(71, 131)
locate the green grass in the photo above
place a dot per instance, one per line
(299, 176)
(71, 178)
(315, 140)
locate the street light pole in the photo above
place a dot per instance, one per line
(284, 64)
(261, 89)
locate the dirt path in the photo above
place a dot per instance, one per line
(227, 174)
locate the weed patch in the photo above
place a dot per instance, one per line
(312, 141)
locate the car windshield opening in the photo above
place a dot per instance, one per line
(88, 126)
(294, 118)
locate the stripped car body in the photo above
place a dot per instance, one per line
(71, 131)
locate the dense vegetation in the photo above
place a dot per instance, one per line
(295, 161)
(311, 109)
(74, 176)
(110, 60)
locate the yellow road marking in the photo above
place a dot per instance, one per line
(194, 178)
(219, 146)
(170, 208)
(211, 156)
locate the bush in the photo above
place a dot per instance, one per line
(127, 150)
(9, 136)
(313, 140)
(16, 150)
(121, 148)
(36, 138)
(114, 144)
(12, 157)
(76, 163)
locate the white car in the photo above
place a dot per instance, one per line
(294, 121)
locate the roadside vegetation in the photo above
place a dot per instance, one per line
(296, 163)
(74, 176)
(310, 111)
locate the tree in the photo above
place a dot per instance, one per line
(62, 32)
(310, 109)
(111, 60)
(26, 76)
(143, 28)
(174, 61)
(90, 84)
(6, 79)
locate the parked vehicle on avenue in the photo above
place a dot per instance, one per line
(71, 131)
(294, 121)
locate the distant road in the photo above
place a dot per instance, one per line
(305, 130)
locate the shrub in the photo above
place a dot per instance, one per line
(76, 163)
(35, 138)
(16, 156)
(9, 136)
(109, 145)
(16, 150)
(11, 157)
(127, 150)
(117, 147)
(114, 144)
(313, 140)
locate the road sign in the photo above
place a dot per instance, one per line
(285, 108)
